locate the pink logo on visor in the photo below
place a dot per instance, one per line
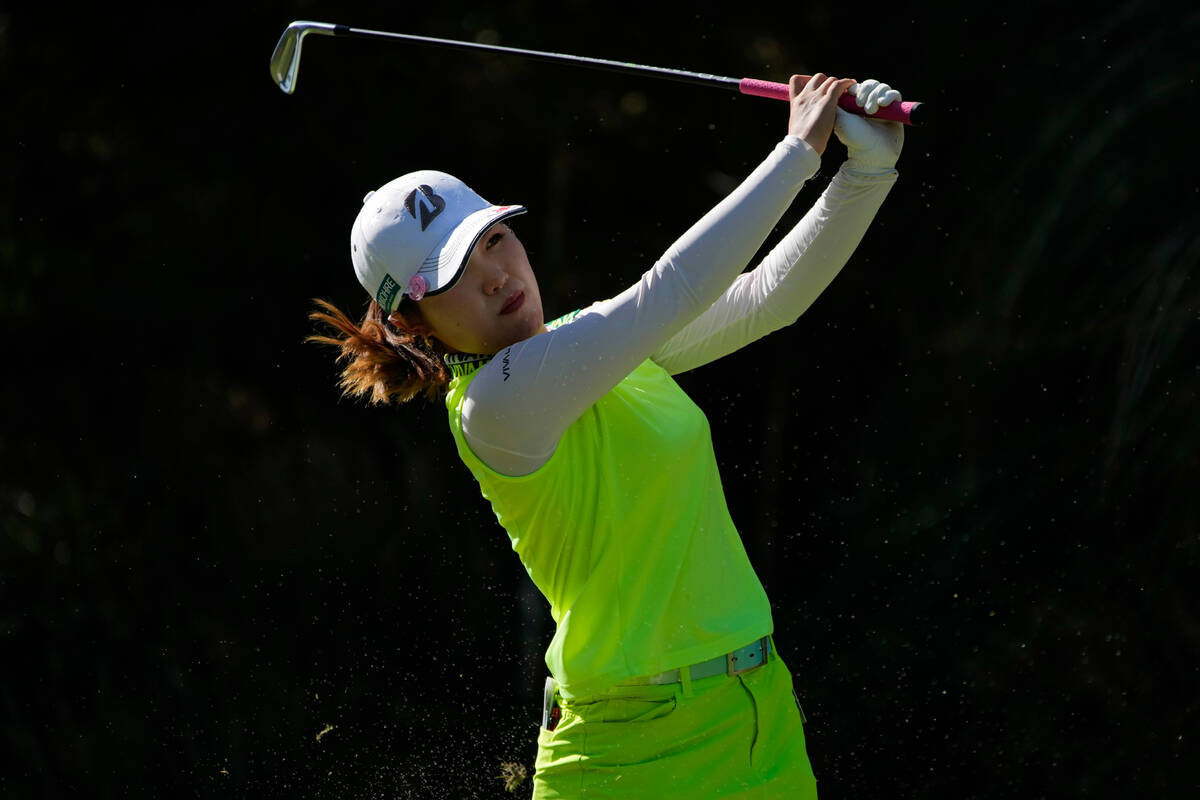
(416, 287)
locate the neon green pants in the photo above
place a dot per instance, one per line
(725, 736)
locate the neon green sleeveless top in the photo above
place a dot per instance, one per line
(626, 532)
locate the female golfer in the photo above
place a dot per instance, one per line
(666, 681)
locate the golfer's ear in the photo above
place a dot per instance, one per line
(416, 326)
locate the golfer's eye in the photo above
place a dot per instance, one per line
(494, 238)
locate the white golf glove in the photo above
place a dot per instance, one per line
(872, 145)
(871, 94)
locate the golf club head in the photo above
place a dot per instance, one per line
(285, 61)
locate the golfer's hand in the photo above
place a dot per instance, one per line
(872, 145)
(814, 101)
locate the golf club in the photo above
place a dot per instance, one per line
(285, 66)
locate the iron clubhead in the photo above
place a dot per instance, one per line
(285, 61)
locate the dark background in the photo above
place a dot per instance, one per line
(967, 476)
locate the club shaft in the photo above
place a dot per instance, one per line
(684, 76)
(905, 112)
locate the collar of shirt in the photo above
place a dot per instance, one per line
(463, 364)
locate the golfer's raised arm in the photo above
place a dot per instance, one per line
(790, 278)
(516, 412)
(810, 256)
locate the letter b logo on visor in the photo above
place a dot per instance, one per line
(426, 208)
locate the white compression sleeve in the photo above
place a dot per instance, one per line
(522, 401)
(789, 279)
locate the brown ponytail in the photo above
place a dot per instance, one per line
(382, 362)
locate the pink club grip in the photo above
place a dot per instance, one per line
(896, 112)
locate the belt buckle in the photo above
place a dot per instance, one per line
(758, 647)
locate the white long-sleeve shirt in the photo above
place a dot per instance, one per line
(692, 306)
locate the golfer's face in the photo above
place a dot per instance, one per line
(495, 303)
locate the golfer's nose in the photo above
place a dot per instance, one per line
(495, 281)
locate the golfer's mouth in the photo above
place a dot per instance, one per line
(513, 303)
